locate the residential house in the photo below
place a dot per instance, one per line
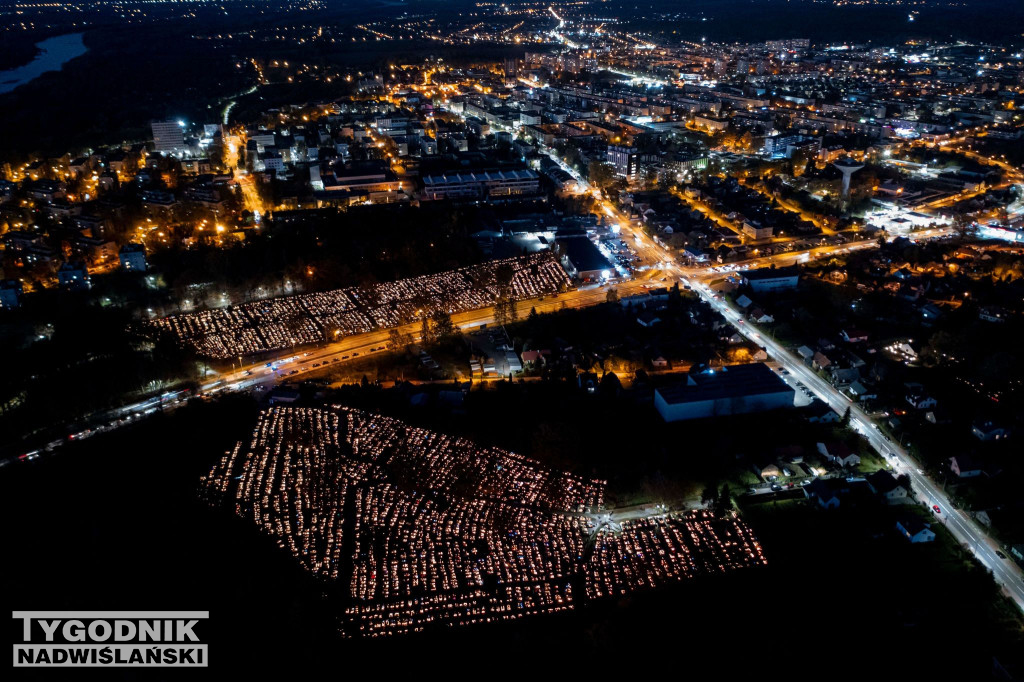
(915, 530)
(74, 276)
(854, 335)
(647, 319)
(766, 467)
(806, 353)
(917, 397)
(930, 311)
(10, 294)
(964, 466)
(818, 412)
(821, 361)
(885, 485)
(993, 313)
(839, 453)
(827, 492)
(988, 430)
(861, 392)
(535, 358)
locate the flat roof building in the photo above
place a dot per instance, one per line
(771, 279)
(168, 136)
(133, 257)
(480, 184)
(583, 260)
(738, 389)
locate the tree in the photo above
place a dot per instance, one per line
(443, 327)
(505, 311)
(501, 313)
(612, 296)
(610, 384)
(709, 496)
(394, 339)
(427, 337)
(962, 224)
(724, 502)
(845, 421)
(398, 341)
(601, 175)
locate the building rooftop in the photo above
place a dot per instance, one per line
(583, 254)
(770, 273)
(735, 381)
(478, 176)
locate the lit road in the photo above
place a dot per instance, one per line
(251, 200)
(807, 255)
(295, 366)
(964, 529)
(358, 346)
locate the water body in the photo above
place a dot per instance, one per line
(55, 52)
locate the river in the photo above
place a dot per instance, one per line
(56, 52)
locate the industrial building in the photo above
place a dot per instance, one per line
(583, 260)
(771, 279)
(480, 184)
(739, 389)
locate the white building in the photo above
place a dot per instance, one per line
(915, 530)
(168, 136)
(133, 258)
(624, 161)
(771, 279)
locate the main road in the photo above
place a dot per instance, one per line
(966, 531)
(963, 528)
(292, 365)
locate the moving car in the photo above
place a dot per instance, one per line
(936, 509)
